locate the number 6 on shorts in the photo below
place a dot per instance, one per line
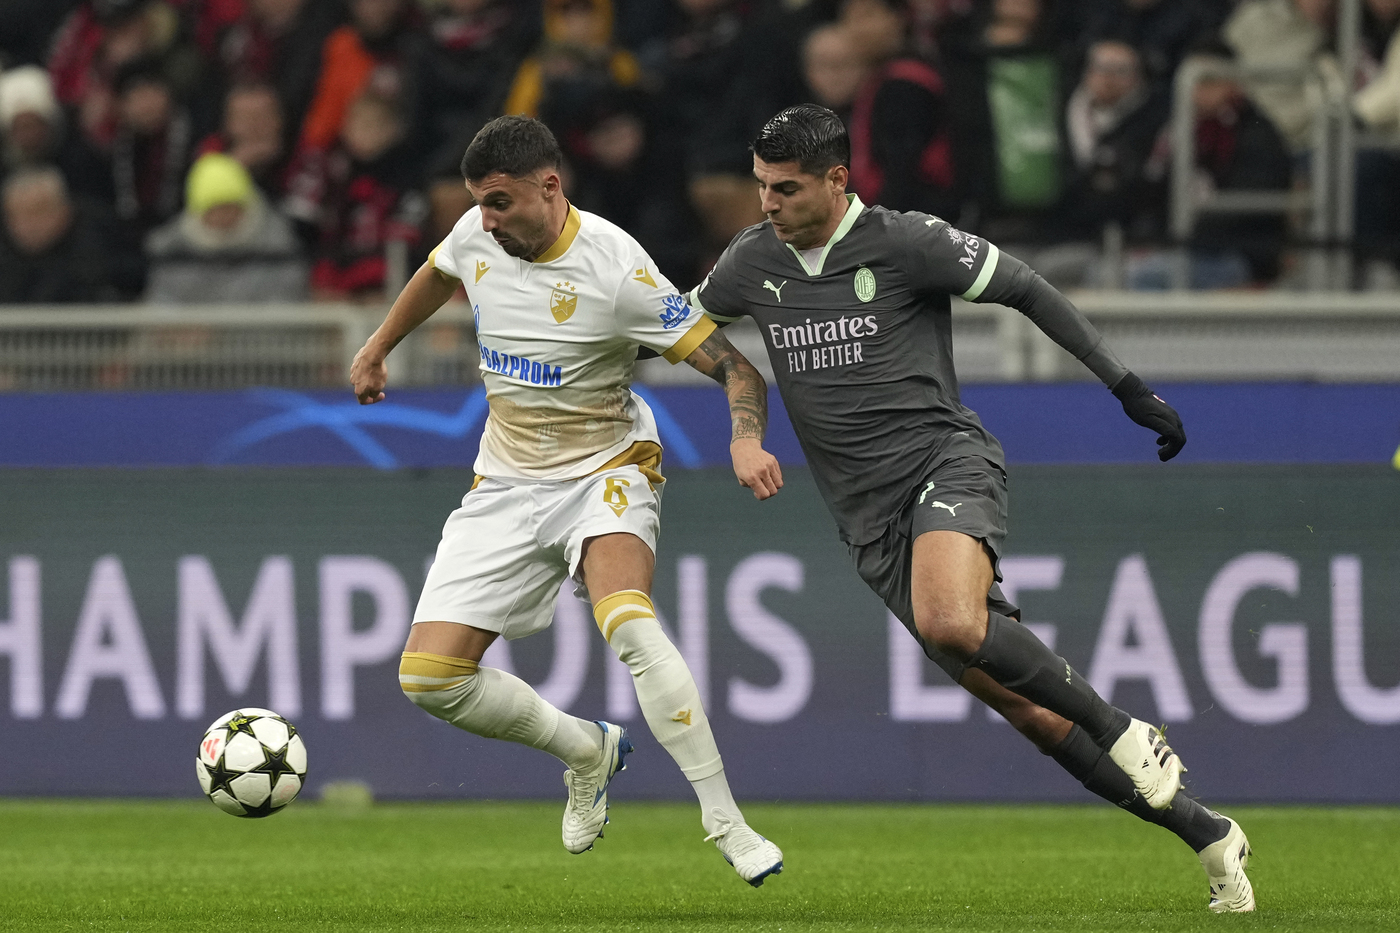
(613, 495)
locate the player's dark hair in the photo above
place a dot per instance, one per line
(808, 134)
(511, 145)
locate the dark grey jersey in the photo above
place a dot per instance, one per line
(861, 343)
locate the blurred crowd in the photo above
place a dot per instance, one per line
(282, 150)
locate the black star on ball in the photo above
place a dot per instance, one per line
(219, 777)
(276, 764)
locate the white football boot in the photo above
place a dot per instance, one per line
(587, 811)
(1225, 862)
(753, 857)
(1143, 753)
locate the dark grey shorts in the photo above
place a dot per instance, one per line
(966, 495)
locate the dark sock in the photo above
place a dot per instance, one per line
(1013, 657)
(1078, 754)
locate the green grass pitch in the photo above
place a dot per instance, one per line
(184, 866)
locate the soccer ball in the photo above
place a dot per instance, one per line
(251, 762)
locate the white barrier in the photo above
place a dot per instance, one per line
(1313, 336)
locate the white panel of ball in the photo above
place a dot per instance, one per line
(296, 755)
(271, 732)
(285, 790)
(224, 802)
(251, 790)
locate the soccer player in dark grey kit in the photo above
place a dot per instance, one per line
(854, 306)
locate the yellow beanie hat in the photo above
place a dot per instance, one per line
(216, 179)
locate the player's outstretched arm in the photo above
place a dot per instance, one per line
(427, 291)
(755, 467)
(1017, 286)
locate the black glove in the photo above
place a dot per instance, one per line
(1152, 413)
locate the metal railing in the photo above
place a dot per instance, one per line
(148, 347)
(1329, 197)
(1325, 336)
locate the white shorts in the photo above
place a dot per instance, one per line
(505, 552)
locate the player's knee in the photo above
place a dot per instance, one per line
(953, 629)
(628, 623)
(435, 682)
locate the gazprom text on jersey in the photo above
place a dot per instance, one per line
(518, 367)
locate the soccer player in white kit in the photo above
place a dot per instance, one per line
(568, 477)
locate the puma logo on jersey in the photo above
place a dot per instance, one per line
(643, 276)
(682, 717)
(481, 269)
(952, 509)
(775, 289)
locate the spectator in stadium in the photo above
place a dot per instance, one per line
(59, 249)
(576, 58)
(606, 146)
(96, 41)
(253, 134)
(27, 29)
(34, 131)
(1379, 20)
(477, 45)
(931, 21)
(1377, 104)
(721, 67)
(151, 148)
(901, 154)
(277, 42)
(1162, 31)
(833, 68)
(1282, 33)
(1005, 92)
(1237, 149)
(1113, 122)
(381, 50)
(615, 171)
(356, 198)
(227, 245)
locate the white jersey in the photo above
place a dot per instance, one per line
(559, 338)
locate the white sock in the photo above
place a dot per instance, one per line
(496, 705)
(717, 806)
(666, 692)
(669, 699)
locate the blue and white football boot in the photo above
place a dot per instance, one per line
(587, 811)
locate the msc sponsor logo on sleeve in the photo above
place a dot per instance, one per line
(971, 245)
(675, 309)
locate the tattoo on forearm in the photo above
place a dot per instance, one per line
(744, 385)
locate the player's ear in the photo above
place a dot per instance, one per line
(552, 184)
(838, 176)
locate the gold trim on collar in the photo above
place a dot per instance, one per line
(566, 238)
